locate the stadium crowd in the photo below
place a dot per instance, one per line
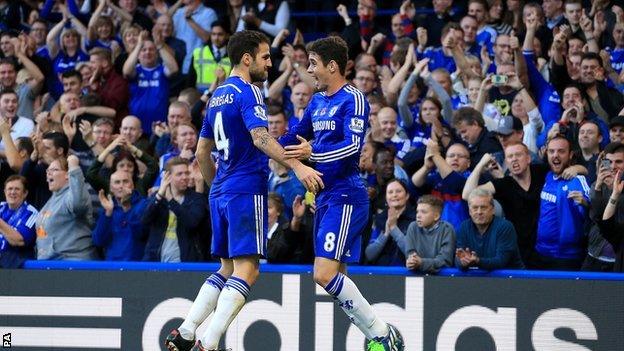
(496, 136)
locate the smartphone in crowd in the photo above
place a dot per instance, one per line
(499, 79)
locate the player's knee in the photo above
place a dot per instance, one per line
(322, 278)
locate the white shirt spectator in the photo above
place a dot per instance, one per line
(203, 16)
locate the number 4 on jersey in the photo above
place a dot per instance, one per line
(221, 141)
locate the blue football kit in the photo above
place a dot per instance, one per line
(337, 124)
(238, 195)
(560, 230)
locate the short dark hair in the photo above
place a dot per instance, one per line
(245, 42)
(485, 4)
(449, 26)
(7, 91)
(432, 201)
(300, 47)
(40, 20)
(331, 49)
(560, 137)
(566, 2)
(588, 121)
(274, 109)
(15, 177)
(613, 148)
(24, 143)
(8, 61)
(59, 140)
(591, 56)
(222, 24)
(468, 115)
(381, 148)
(126, 155)
(9, 32)
(72, 73)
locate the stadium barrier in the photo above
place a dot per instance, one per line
(133, 305)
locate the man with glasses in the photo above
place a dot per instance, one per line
(365, 81)
(470, 126)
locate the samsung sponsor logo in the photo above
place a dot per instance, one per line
(324, 125)
(548, 197)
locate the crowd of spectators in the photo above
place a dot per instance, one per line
(495, 139)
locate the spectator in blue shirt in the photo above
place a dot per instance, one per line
(485, 241)
(17, 224)
(447, 177)
(441, 57)
(149, 79)
(118, 228)
(564, 205)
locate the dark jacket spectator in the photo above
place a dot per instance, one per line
(119, 229)
(174, 215)
(485, 241)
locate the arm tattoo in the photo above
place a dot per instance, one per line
(262, 136)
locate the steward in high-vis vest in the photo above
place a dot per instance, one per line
(208, 58)
(205, 65)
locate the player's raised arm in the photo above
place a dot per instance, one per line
(310, 178)
(206, 164)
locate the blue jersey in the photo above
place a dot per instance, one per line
(546, 97)
(237, 107)
(487, 36)
(400, 145)
(61, 64)
(449, 190)
(149, 96)
(21, 219)
(560, 227)
(337, 123)
(617, 59)
(437, 59)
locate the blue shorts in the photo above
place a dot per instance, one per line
(239, 225)
(338, 229)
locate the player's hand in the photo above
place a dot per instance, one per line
(299, 152)
(310, 178)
